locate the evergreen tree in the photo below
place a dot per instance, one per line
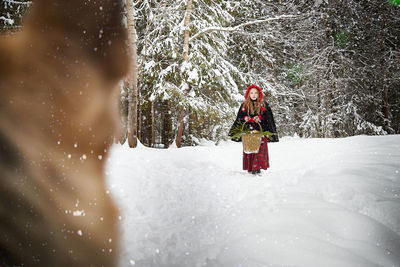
(204, 84)
(11, 14)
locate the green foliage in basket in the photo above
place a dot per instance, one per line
(239, 130)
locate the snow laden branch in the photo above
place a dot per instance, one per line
(17, 2)
(135, 5)
(232, 29)
(7, 20)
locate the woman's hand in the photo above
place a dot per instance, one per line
(256, 119)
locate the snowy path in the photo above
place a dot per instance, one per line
(323, 202)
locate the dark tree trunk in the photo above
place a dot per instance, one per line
(145, 137)
(166, 134)
(132, 79)
(181, 115)
(153, 138)
(124, 115)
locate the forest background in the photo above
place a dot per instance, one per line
(328, 68)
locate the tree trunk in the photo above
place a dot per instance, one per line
(153, 139)
(124, 114)
(140, 130)
(181, 110)
(192, 129)
(187, 32)
(140, 76)
(132, 79)
(167, 124)
(146, 124)
(386, 106)
(181, 116)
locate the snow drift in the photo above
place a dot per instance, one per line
(323, 202)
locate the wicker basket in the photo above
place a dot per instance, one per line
(251, 141)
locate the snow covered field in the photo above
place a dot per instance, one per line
(323, 202)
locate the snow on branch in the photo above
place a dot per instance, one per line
(232, 29)
(137, 3)
(7, 20)
(17, 2)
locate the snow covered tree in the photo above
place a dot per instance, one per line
(11, 13)
(203, 83)
(328, 68)
(309, 57)
(309, 64)
(377, 55)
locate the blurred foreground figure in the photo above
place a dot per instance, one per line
(57, 113)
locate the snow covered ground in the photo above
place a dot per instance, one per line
(323, 202)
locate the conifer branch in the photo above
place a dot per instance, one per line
(232, 29)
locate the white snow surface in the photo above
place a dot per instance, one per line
(323, 202)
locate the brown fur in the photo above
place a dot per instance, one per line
(58, 78)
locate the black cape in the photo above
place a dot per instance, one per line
(267, 123)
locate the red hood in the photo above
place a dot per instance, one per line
(254, 86)
(260, 98)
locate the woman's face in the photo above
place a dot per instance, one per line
(253, 93)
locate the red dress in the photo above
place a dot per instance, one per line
(257, 161)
